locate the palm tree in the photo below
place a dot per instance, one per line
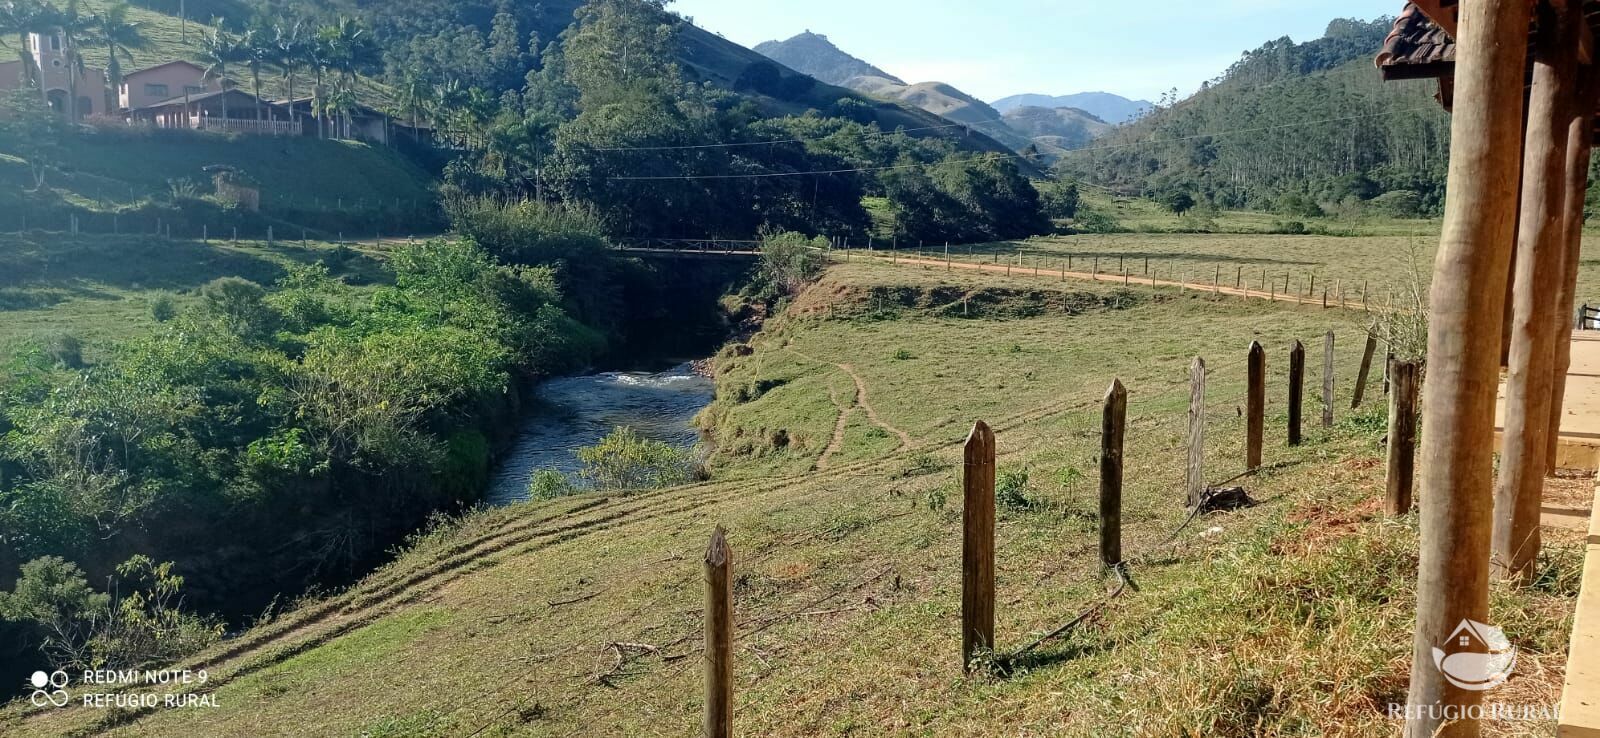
(218, 49)
(412, 99)
(121, 38)
(77, 30)
(292, 50)
(257, 48)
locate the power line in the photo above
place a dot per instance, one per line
(686, 147)
(998, 156)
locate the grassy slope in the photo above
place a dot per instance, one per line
(298, 173)
(100, 289)
(1290, 618)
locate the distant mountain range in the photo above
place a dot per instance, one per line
(813, 54)
(1110, 108)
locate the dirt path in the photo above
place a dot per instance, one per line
(1327, 298)
(861, 402)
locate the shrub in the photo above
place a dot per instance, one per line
(163, 309)
(65, 349)
(1095, 221)
(625, 460)
(1397, 204)
(789, 260)
(1011, 489)
(548, 484)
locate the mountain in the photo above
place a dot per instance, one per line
(813, 54)
(1066, 128)
(1107, 107)
(1300, 128)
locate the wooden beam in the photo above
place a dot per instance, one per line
(1442, 16)
(1540, 259)
(1463, 377)
(1580, 142)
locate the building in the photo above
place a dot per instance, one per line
(57, 78)
(224, 111)
(165, 82)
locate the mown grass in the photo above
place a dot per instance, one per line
(1290, 618)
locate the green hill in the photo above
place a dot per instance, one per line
(1061, 128)
(1296, 127)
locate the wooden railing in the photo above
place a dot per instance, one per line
(244, 125)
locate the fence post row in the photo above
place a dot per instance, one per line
(719, 637)
(1197, 431)
(1255, 406)
(1402, 437)
(1112, 427)
(977, 544)
(1297, 381)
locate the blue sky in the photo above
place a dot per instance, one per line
(995, 48)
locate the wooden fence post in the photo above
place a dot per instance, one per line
(1197, 430)
(1297, 382)
(1327, 380)
(1112, 426)
(1402, 438)
(719, 637)
(1255, 406)
(1238, 279)
(1366, 370)
(977, 544)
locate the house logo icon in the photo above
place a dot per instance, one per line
(1477, 658)
(49, 689)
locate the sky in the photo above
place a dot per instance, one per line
(1004, 47)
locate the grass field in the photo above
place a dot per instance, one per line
(581, 616)
(100, 290)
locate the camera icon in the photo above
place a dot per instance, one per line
(49, 689)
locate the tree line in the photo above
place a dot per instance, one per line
(1304, 129)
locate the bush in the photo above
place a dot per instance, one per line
(65, 349)
(790, 261)
(1058, 199)
(548, 484)
(163, 309)
(1011, 489)
(625, 460)
(1397, 204)
(1095, 221)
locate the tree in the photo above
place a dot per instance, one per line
(257, 48)
(218, 49)
(1059, 199)
(120, 37)
(75, 27)
(291, 51)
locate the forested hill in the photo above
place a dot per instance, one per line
(1295, 127)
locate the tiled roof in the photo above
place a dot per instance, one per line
(1416, 47)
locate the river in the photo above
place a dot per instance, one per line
(572, 412)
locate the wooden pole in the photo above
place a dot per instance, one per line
(1463, 358)
(1579, 146)
(1366, 370)
(1540, 260)
(977, 544)
(1327, 380)
(719, 637)
(1197, 431)
(1402, 438)
(1297, 387)
(1255, 406)
(1112, 425)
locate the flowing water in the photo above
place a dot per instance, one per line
(573, 412)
